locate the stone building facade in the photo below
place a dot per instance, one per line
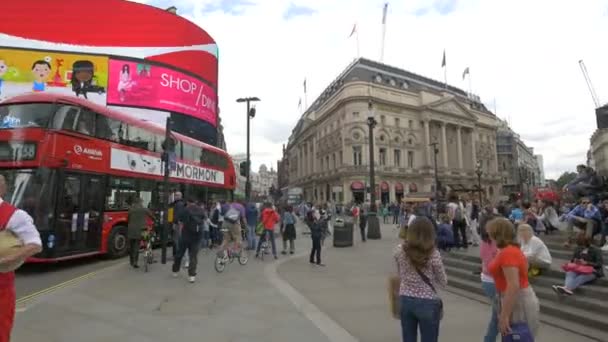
(328, 151)
(521, 170)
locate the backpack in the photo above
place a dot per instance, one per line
(232, 215)
(458, 214)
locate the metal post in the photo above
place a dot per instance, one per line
(250, 114)
(165, 229)
(479, 185)
(435, 152)
(373, 225)
(247, 182)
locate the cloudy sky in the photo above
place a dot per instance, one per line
(523, 57)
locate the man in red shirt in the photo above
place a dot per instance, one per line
(21, 224)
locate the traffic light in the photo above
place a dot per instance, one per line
(169, 145)
(243, 167)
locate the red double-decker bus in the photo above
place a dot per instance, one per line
(75, 167)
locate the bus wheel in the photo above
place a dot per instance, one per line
(117, 242)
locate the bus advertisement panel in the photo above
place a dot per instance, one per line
(23, 71)
(138, 84)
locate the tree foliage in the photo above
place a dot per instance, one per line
(565, 178)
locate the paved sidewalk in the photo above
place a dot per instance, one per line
(120, 304)
(351, 290)
(343, 302)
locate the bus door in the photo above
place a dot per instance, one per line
(80, 213)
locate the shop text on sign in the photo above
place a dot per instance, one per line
(150, 86)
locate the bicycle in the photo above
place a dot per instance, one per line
(221, 260)
(266, 247)
(148, 239)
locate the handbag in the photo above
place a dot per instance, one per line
(259, 229)
(428, 282)
(577, 268)
(394, 282)
(520, 332)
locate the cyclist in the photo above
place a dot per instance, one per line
(234, 220)
(269, 219)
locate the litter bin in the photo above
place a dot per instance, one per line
(343, 232)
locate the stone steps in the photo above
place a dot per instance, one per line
(586, 310)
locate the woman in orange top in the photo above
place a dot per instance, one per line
(517, 300)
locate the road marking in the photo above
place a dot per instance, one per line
(330, 328)
(25, 299)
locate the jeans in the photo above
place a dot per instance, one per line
(192, 244)
(176, 238)
(460, 234)
(268, 234)
(250, 237)
(134, 251)
(316, 250)
(574, 280)
(423, 313)
(205, 239)
(492, 331)
(362, 224)
(396, 219)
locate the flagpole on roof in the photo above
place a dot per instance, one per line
(465, 73)
(305, 96)
(384, 10)
(355, 31)
(444, 65)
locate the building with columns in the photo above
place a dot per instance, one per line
(328, 151)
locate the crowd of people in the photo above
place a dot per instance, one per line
(511, 253)
(229, 227)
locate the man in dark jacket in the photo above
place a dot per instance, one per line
(191, 223)
(136, 224)
(178, 206)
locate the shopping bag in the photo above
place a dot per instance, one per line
(394, 282)
(259, 229)
(520, 332)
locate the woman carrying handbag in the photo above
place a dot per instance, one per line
(586, 266)
(420, 271)
(518, 307)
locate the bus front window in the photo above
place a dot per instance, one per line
(31, 191)
(26, 115)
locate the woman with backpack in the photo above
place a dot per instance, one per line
(459, 224)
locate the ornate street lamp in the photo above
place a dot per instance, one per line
(373, 225)
(250, 115)
(479, 172)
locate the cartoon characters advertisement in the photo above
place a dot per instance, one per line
(23, 71)
(143, 85)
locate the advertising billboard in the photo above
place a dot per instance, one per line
(23, 71)
(139, 84)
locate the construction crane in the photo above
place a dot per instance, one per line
(596, 101)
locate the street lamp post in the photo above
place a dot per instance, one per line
(435, 152)
(373, 225)
(250, 115)
(479, 172)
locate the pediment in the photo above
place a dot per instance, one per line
(452, 107)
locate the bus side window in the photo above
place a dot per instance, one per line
(86, 122)
(102, 128)
(65, 118)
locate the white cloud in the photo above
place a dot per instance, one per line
(522, 53)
